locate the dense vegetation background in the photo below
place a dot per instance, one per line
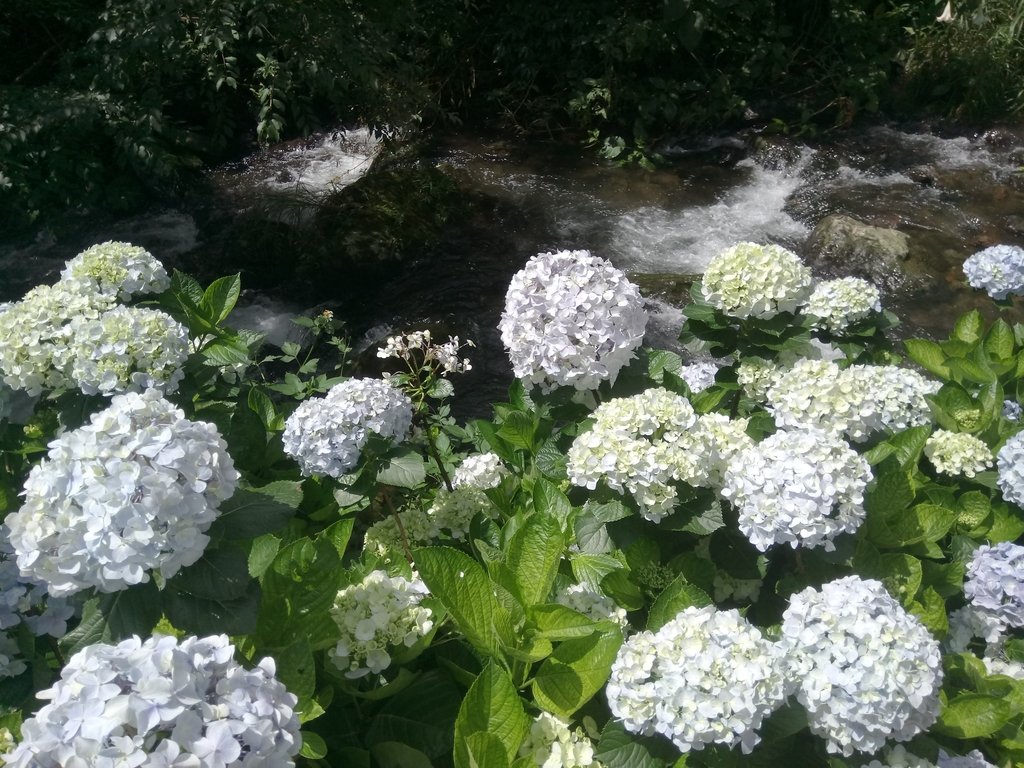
(103, 102)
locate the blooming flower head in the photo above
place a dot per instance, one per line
(972, 759)
(999, 270)
(836, 304)
(479, 470)
(161, 702)
(571, 319)
(995, 582)
(553, 743)
(1012, 410)
(801, 487)
(125, 348)
(892, 399)
(866, 671)
(698, 376)
(326, 435)
(379, 613)
(1010, 465)
(597, 606)
(26, 601)
(706, 677)
(119, 270)
(417, 349)
(133, 491)
(957, 453)
(751, 280)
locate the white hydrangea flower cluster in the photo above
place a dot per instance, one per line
(633, 446)
(997, 665)
(893, 399)
(898, 757)
(751, 280)
(835, 304)
(698, 376)
(417, 349)
(125, 349)
(972, 759)
(553, 743)
(757, 375)
(596, 605)
(999, 270)
(133, 491)
(867, 671)
(706, 677)
(34, 335)
(716, 441)
(1010, 466)
(326, 435)
(969, 622)
(26, 601)
(162, 704)
(1012, 410)
(119, 270)
(957, 453)
(995, 582)
(571, 319)
(798, 487)
(479, 470)
(378, 613)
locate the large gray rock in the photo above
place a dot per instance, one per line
(842, 245)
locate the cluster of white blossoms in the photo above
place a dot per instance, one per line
(705, 677)
(1010, 466)
(757, 375)
(867, 671)
(1012, 410)
(125, 349)
(571, 319)
(118, 270)
(326, 435)
(835, 304)
(379, 613)
(812, 394)
(969, 622)
(893, 400)
(553, 743)
(698, 376)
(972, 759)
(999, 270)
(479, 470)
(751, 280)
(798, 487)
(417, 349)
(161, 704)
(133, 491)
(634, 446)
(995, 583)
(595, 605)
(957, 453)
(715, 441)
(25, 601)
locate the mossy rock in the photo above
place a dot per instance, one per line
(670, 288)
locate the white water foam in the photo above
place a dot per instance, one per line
(334, 161)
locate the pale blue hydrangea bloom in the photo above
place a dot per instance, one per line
(1010, 464)
(995, 582)
(999, 270)
(898, 757)
(972, 759)
(1012, 410)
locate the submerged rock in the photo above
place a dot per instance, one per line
(843, 245)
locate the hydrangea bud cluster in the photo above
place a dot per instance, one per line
(867, 671)
(999, 270)
(635, 445)
(957, 453)
(417, 349)
(34, 335)
(995, 582)
(751, 280)
(835, 304)
(133, 491)
(571, 319)
(125, 349)
(706, 677)
(596, 605)
(798, 487)
(326, 435)
(379, 613)
(479, 470)
(162, 703)
(553, 743)
(898, 757)
(972, 759)
(118, 270)
(1010, 467)
(698, 376)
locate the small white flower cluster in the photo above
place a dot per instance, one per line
(835, 304)
(957, 453)
(326, 435)
(1012, 410)
(125, 349)
(119, 270)
(479, 470)
(813, 394)
(757, 376)
(698, 376)
(595, 605)
(552, 743)
(416, 348)
(378, 613)
(162, 704)
(893, 400)
(898, 757)
(716, 441)
(999, 270)
(969, 622)
(133, 491)
(751, 280)
(632, 447)
(571, 319)
(867, 671)
(705, 677)
(972, 759)
(998, 665)
(1010, 466)
(798, 487)
(995, 583)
